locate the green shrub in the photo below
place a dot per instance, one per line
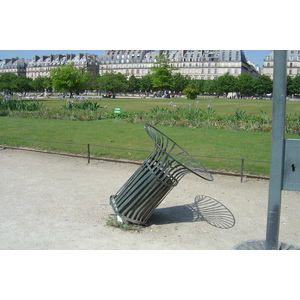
(86, 105)
(191, 91)
(20, 105)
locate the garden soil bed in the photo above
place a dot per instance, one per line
(50, 201)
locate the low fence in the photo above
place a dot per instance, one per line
(87, 155)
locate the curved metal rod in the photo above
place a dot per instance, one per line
(172, 157)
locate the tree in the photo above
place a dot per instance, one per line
(8, 82)
(133, 84)
(245, 84)
(162, 74)
(210, 86)
(289, 86)
(146, 83)
(23, 84)
(91, 81)
(296, 85)
(263, 85)
(40, 84)
(113, 83)
(179, 82)
(67, 78)
(191, 91)
(226, 83)
(200, 84)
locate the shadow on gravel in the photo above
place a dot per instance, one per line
(204, 208)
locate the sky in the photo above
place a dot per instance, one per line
(256, 56)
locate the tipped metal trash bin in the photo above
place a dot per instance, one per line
(155, 178)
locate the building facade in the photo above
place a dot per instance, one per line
(198, 64)
(293, 64)
(16, 65)
(42, 66)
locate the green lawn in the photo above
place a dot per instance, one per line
(222, 106)
(106, 135)
(216, 149)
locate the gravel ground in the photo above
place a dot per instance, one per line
(50, 201)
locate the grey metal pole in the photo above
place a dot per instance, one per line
(277, 149)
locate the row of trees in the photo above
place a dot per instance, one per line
(69, 79)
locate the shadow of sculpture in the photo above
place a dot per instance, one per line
(204, 208)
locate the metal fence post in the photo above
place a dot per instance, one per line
(242, 169)
(89, 153)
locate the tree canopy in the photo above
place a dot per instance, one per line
(162, 74)
(263, 85)
(11, 83)
(226, 83)
(245, 84)
(113, 83)
(67, 78)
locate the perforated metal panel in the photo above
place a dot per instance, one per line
(291, 176)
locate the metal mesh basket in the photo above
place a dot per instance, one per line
(155, 178)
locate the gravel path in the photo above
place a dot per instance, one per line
(50, 201)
